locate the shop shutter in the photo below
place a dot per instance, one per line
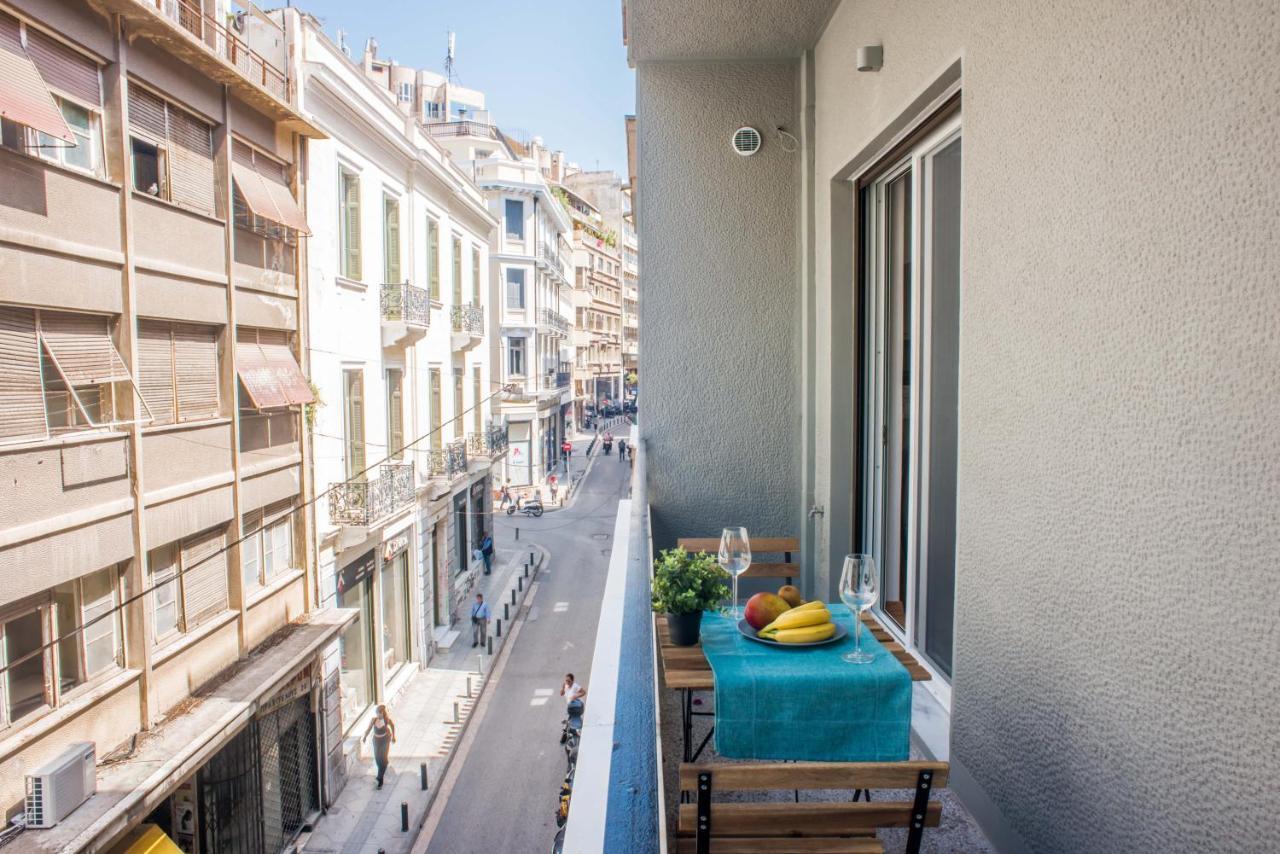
(21, 392)
(64, 69)
(204, 577)
(81, 344)
(155, 369)
(191, 162)
(195, 359)
(147, 113)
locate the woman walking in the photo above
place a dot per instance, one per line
(384, 735)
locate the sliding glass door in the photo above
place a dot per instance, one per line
(910, 314)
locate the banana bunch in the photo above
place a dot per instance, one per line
(808, 623)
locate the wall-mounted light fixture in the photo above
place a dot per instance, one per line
(870, 57)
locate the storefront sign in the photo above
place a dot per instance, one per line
(298, 686)
(356, 571)
(394, 546)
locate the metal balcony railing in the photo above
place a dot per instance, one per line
(468, 318)
(555, 381)
(553, 320)
(437, 460)
(405, 303)
(364, 502)
(226, 44)
(456, 457)
(462, 128)
(491, 443)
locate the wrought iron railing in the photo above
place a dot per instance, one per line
(555, 381)
(227, 45)
(469, 319)
(462, 128)
(553, 320)
(364, 502)
(491, 443)
(406, 303)
(437, 462)
(456, 457)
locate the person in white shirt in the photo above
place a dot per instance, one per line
(571, 690)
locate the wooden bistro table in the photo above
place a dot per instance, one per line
(686, 669)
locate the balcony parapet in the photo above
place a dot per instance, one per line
(553, 321)
(491, 443)
(468, 326)
(364, 503)
(406, 313)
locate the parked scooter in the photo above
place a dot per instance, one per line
(532, 507)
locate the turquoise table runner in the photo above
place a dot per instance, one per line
(807, 703)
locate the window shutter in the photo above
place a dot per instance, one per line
(147, 113)
(436, 403)
(195, 357)
(433, 258)
(255, 374)
(355, 424)
(457, 271)
(284, 368)
(241, 153)
(21, 390)
(64, 69)
(391, 213)
(204, 577)
(478, 395)
(351, 210)
(395, 413)
(191, 161)
(155, 369)
(82, 346)
(475, 276)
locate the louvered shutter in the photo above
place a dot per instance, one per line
(433, 258)
(195, 359)
(395, 413)
(457, 271)
(155, 369)
(254, 372)
(351, 211)
(204, 577)
(147, 113)
(475, 276)
(391, 215)
(355, 424)
(21, 391)
(284, 367)
(81, 344)
(64, 69)
(191, 175)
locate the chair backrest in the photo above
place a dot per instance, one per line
(787, 548)
(739, 821)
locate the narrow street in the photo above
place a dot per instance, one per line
(511, 765)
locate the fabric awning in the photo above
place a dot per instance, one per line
(24, 97)
(267, 198)
(271, 375)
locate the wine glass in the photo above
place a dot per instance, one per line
(858, 590)
(735, 557)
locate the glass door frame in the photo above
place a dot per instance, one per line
(872, 465)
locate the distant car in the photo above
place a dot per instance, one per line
(629, 407)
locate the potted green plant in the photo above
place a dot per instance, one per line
(685, 585)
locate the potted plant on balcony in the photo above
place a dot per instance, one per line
(685, 585)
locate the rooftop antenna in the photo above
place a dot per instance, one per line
(342, 43)
(449, 72)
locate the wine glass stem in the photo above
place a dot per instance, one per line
(734, 609)
(857, 632)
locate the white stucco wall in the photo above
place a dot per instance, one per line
(1119, 459)
(719, 323)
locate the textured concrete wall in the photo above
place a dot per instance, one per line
(719, 352)
(1119, 459)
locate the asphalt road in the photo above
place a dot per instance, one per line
(505, 796)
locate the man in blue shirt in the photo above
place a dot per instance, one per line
(479, 621)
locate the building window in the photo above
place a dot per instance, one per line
(475, 276)
(514, 216)
(178, 370)
(908, 385)
(457, 271)
(85, 124)
(431, 109)
(515, 288)
(353, 417)
(406, 92)
(395, 413)
(515, 356)
(24, 681)
(172, 152)
(433, 258)
(187, 580)
(391, 240)
(349, 223)
(436, 417)
(266, 552)
(88, 627)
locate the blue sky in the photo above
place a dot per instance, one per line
(550, 68)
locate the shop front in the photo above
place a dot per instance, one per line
(355, 646)
(395, 592)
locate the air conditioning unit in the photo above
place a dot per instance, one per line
(57, 788)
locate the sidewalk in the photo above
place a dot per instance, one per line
(365, 820)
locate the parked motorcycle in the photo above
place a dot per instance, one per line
(532, 507)
(571, 733)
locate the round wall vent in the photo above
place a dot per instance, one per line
(746, 141)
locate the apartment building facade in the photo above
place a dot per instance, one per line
(154, 527)
(405, 437)
(597, 306)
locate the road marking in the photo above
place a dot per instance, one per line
(561, 607)
(540, 697)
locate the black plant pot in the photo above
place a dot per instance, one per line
(684, 628)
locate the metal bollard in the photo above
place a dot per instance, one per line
(506, 611)
(517, 533)
(531, 559)
(520, 583)
(498, 625)
(422, 774)
(455, 713)
(513, 597)
(404, 817)
(468, 687)
(491, 646)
